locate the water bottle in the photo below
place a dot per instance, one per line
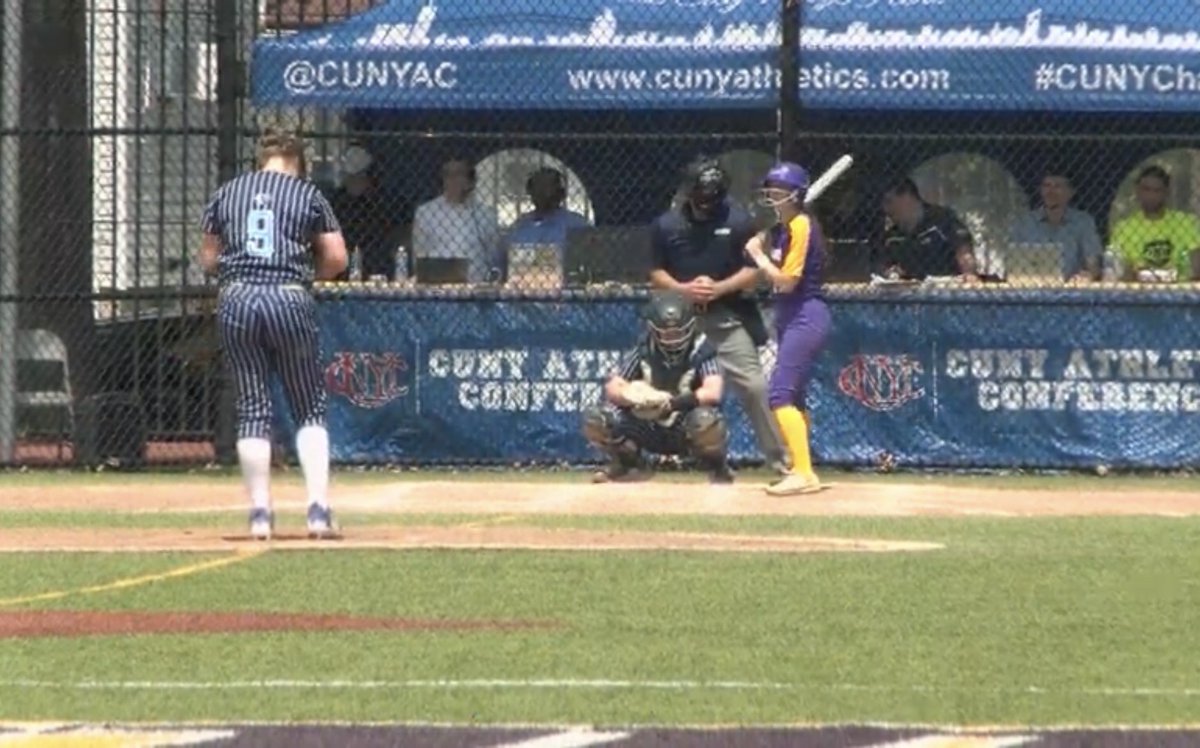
(401, 263)
(1113, 269)
(356, 269)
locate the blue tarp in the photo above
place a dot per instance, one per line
(1061, 55)
(971, 379)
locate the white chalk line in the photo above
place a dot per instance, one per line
(577, 738)
(579, 684)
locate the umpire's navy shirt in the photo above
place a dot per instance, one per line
(267, 221)
(687, 248)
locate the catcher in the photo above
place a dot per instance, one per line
(665, 399)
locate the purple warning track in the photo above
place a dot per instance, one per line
(301, 736)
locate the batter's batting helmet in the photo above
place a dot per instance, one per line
(784, 183)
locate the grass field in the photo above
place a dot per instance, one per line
(536, 599)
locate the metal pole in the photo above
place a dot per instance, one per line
(229, 88)
(789, 79)
(12, 32)
(229, 93)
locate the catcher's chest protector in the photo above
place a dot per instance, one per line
(676, 379)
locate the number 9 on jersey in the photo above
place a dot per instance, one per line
(260, 233)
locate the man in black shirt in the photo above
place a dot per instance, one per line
(368, 224)
(698, 251)
(922, 239)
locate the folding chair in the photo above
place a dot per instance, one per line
(43, 346)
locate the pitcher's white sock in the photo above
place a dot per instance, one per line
(254, 456)
(312, 444)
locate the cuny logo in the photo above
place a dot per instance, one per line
(369, 380)
(882, 382)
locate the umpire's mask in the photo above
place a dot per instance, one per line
(672, 323)
(707, 187)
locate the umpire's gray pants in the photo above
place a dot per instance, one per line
(743, 372)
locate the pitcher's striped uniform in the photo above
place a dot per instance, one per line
(265, 313)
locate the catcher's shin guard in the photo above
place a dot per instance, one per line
(708, 440)
(707, 436)
(600, 430)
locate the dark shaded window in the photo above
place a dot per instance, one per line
(280, 15)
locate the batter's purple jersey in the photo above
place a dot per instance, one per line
(799, 250)
(802, 319)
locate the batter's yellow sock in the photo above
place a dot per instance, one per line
(794, 425)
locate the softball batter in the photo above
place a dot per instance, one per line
(802, 321)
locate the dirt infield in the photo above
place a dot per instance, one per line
(507, 502)
(72, 623)
(573, 496)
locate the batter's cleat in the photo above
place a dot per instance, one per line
(320, 522)
(794, 485)
(262, 524)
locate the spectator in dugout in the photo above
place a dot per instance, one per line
(1156, 237)
(545, 226)
(922, 240)
(454, 225)
(367, 224)
(1055, 221)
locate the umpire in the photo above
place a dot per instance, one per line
(259, 232)
(697, 251)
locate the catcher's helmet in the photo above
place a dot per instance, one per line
(784, 183)
(671, 320)
(707, 184)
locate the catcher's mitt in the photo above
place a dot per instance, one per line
(646, 402)
(641, 394)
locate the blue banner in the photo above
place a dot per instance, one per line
(1070, 55)
(977, 380)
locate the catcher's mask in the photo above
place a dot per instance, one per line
(785, 183)
(672, 324)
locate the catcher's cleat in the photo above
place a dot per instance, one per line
(320, 522)
(262, 524)
(720, 474)
(794, 485)
(620, 470)
(779, 468)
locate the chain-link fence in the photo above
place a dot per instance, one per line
(1009, 259)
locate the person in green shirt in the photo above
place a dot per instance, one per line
(1157, 237)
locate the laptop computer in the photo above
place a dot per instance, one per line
(1033, 264)
(441, 270)
(535, 266)
(607, 254)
